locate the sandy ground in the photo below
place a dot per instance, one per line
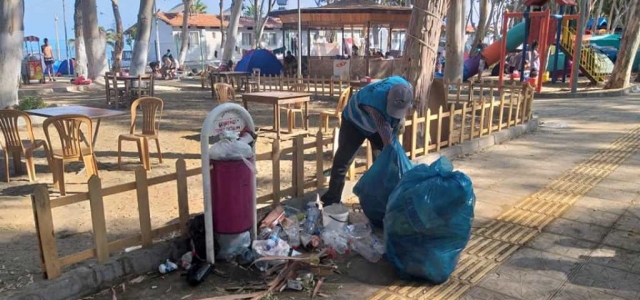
(179, 138)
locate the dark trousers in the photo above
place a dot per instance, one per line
(349, 141)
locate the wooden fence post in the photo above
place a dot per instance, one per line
(331, 94)
(474, 108)
(144, 213)
(44, 230)
(369, 154)
(98, 219)
(452, 111)
(483, 103)
(462, 121)
(275, 163)
(501, 113)
(320, 159)
(439, 136)
(298, 166)
(427, 131)
(414, 134)
(183, 195)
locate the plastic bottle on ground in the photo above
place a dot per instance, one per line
(273, 238)
(369, 247)
(311, 222)
(336, 240)
(293, 233)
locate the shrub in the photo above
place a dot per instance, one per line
(31, 102)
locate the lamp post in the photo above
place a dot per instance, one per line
(55, 22)
(299, 46)
(66, 40)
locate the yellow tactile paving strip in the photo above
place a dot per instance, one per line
(495, 242)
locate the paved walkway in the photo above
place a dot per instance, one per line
(557, 217)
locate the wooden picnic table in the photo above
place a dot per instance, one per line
(92, 113)
(277, 99)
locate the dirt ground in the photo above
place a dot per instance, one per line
(179, 138)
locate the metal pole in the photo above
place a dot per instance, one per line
(157, 43)
(55, 21)
(299, 42)
(576, 57)
(66, 40)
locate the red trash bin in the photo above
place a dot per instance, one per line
(232, 196)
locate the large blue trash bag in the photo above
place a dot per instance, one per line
(375, 185)
(428, 221)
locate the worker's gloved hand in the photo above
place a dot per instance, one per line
(401, 127)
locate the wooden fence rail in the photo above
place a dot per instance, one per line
(495, 109)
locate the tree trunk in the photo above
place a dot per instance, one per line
(184, 33)
(421, 46)
(95, 46)
(621, 74)
(263, 22)
(257, 10)
(612, 9)
(81, 52)
(221, 25)
(481, 29)
(454, 54)
(232, 32)
(594, 26)
(143, 35)
(11, 36)
(119, 45)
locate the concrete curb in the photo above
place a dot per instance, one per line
(600, 94)
(67, 89)
(484, 142)
(86, 280)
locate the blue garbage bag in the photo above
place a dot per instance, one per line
(375, 185)
(428, 221)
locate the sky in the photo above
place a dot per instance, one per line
(39, 19)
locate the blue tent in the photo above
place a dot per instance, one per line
(64, 65)
(260, 59)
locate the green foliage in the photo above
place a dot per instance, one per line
(30, 102)
(199, 7)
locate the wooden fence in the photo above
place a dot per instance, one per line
(494, 109)
(42, 206)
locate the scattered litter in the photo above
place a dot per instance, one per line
(169, 289)
(198, 273)
(132, 248)
(294, 284)
(317, 289)
(554, 124)
(167, 267)
(154, 287)
(185, 297)
(138, 279)
(113, 294)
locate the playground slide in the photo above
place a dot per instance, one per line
(515, 36)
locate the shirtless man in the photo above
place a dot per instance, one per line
(47, 53)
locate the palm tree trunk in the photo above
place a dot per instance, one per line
(232, 32)
(93, 38)
(80, 67)
(143, 35)
(119, 44)
(454, 53)
(11, 36)
(184, 46)
(621, 74)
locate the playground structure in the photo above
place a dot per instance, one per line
(548, 29)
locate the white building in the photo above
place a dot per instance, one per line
(205, 37)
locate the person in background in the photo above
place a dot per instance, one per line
(290, 64)
(375, 113)
(534, 62)
(440, 62)
(47, 54)
(168, 55)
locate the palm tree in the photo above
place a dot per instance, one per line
(198, 7)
